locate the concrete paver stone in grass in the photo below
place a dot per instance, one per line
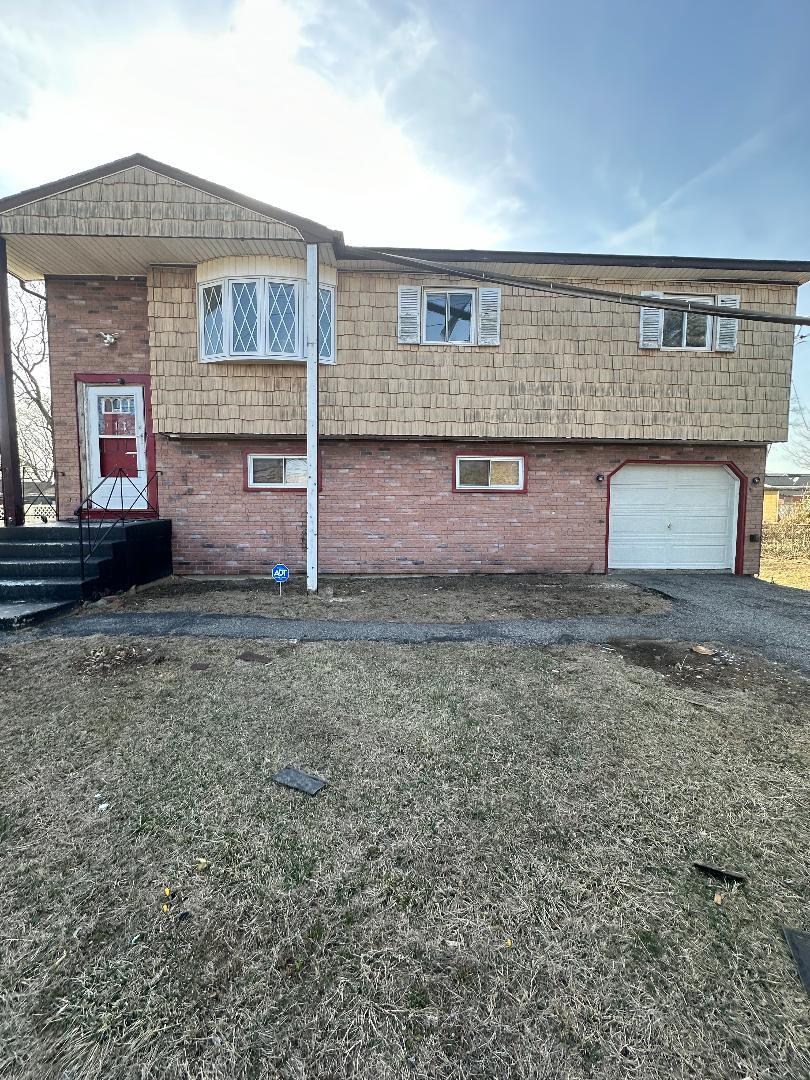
(300, 781)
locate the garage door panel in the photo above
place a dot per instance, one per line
(672, 517)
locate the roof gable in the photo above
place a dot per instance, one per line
(137, 196)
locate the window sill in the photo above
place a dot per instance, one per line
(492, 490)
(679, 348)
(279, 489)
(259, 360)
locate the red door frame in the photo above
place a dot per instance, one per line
(742, 502)
(93, 379)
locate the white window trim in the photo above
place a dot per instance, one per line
(331, 358)
(201, 320)
(262, 352)
(254, 486)
(710, 323)
(521, 463)
(230, 282)
(299, 321)
(426, 289)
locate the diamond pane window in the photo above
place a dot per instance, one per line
(213, 326)
(244, 317)
(325, 324)
(282, 318)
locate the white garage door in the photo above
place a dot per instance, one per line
(673, 517)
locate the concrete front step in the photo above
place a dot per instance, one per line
(41, 563)
(15, 590)
(15, 615)
(23, 567)
(32, 549)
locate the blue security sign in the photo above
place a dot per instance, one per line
(280, 573)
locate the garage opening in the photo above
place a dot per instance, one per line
(673, 517)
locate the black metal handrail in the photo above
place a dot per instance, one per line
(100, 521)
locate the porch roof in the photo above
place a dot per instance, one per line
(122, 217)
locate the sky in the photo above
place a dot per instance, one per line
(628, 127)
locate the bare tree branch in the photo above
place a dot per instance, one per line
(32, 392)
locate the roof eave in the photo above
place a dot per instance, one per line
(569, 258)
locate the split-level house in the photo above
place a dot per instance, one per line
(467, 423)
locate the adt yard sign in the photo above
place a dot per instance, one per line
(280, 573)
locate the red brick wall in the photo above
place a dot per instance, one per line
(78, 309)
(389, 506)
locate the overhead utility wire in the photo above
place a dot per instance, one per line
(633, 299)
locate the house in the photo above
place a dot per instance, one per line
(471, 419)
(783, 492)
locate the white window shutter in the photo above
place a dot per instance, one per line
(489, 316)
(409, 314)
(726, 336)
(651, 325)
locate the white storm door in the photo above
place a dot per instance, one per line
(115, 447)
(673, 517)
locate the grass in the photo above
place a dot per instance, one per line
(454, 599)
(496, 883)
(784, 570)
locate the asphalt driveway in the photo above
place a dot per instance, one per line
(705, 607)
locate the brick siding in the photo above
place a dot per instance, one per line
(78, 310)
(389, 507)
(386, 505)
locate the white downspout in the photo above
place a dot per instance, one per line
(311, 308)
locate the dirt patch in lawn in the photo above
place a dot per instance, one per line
(496, 882)
(712, 668)
(781, 570)
(451, 599)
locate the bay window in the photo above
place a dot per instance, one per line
(261, 318)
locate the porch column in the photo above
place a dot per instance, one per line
(13, 511)
(311, 308)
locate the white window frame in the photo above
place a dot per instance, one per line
(330, 359)
(299, 321)
(710, 324)
(201, 314)
(521, 462)
(227, 312)
(254, 486)
(262, 352)
(473, 293)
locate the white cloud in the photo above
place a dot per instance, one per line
(238, 106)
(647, 233)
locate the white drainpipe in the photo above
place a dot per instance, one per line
(311, 308)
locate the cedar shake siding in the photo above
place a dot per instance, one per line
(389, 507)
(566, 368)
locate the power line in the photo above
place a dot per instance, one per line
(566, 289)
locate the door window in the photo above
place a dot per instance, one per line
(117, 442)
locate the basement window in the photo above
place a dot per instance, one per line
(259, 318)
(490, 473)
(268, 471)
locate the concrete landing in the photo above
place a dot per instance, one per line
(26, 613)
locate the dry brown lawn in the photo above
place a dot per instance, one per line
(782, 570)
(495, 885)
(452, 599)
